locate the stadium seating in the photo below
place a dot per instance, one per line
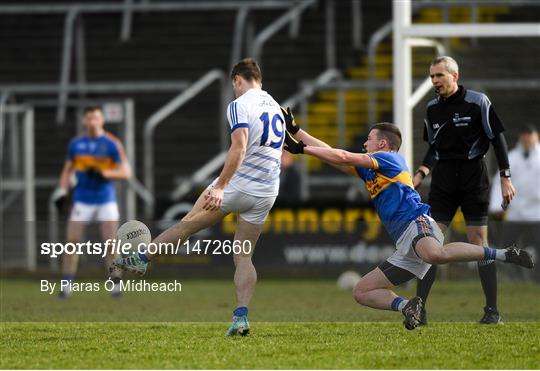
(184, 45)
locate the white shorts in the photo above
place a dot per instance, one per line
(100, 212)
(252, 209)
(405, 256)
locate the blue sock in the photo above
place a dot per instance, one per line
(398, 303)
(240, 311)
(489, 253)
(143, 257)
(68, 277)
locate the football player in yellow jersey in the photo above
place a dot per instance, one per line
(418, 239)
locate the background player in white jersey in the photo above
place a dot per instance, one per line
(248, 184)
(97, 158)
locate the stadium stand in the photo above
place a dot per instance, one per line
(163, 46)
(184, 45)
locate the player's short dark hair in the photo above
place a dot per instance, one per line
(92, 109)
(248, 69)
(390, 132)
(528, 129)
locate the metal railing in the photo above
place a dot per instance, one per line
(199, 176)
(110, 88)
(307, 90)
(384, 31)
(374, 41)
(426, 85)
(356, 24)
(3, 99)
(239, 26)
(165, 111)
(25, 182)
(71, 16)
(72, 12)
(127, 17)
(16, 184)
(277, 25)
(71, 25)
(97, 87)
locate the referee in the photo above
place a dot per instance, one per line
(459, 126)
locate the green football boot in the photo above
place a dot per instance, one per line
(132, 264)
(239, 326)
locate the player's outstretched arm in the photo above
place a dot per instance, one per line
(310, 140)
(338, 158)
(298, 133)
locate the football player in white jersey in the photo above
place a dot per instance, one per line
(248, 185)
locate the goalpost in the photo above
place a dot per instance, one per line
(407, 35)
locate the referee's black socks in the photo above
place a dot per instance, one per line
(424, 285)
(487, 269)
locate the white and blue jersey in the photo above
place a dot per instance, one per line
(258, 175)
(89, 157)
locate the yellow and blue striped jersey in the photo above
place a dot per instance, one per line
(89, 156)
(390, 186)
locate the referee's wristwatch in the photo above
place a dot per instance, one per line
(505, 173)
(421, 172)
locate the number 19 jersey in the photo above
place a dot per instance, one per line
(256, 110)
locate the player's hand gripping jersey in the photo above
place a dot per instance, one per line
(390, 187)
(258, 174)
(90, 156)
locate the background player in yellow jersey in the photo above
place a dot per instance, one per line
(418, 239)
(97, 158)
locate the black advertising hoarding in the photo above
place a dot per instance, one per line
(307, 241)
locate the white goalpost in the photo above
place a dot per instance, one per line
(407, 35)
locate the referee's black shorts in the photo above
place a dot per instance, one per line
(460, 183)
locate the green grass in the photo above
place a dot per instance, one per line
(283, 345)
(295, 324)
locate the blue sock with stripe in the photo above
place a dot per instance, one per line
(240, 311)
(494, 254)
(66, 289)
(398, 303)
(68, 277)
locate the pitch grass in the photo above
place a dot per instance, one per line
(295, 325)
(272, 346)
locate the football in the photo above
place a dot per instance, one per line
(134, 232)
(347, 280)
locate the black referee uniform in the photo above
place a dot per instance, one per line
(459, 130)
